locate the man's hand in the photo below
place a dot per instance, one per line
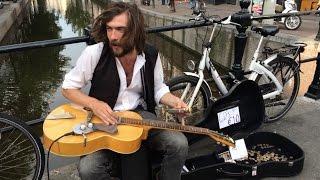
(99, 108)
(173, 101)
(103, 111)
(179, 104)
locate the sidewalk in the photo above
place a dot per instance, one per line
(307, 31)
(223, 10)
(182, 9)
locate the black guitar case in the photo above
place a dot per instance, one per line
(286, 158)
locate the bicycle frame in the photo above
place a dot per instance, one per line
(205, 62)
(256, 67)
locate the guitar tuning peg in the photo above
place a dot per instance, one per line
(219, 143)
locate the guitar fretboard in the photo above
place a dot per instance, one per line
(167, 125)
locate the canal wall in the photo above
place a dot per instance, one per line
(223, 47)
(9, 14)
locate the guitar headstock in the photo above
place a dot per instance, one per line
(222, 139)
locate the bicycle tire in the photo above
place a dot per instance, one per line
(283, 102)
(21, 151)
(202, 100)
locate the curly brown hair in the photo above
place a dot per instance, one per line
(135, 34)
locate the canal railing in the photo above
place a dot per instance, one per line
(242, 17)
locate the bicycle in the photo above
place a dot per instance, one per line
(21, 151)
(272, 75)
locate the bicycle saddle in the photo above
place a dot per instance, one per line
(266, 30)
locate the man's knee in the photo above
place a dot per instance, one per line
(98, 165)
(179, 143)
(85, 168)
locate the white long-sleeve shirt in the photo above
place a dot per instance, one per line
(129, 97)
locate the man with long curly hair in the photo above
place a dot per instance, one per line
(125, 74)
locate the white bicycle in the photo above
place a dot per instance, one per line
(277, 76)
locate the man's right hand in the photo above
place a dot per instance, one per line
(104, 112)
(99, 108)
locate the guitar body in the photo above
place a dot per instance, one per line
(127, 140)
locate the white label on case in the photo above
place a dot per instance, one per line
(228, 117)
(239, 152)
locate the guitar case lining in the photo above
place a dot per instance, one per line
(279, 157)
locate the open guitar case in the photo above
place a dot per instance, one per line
(287, 158)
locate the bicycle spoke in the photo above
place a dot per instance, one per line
(18, 174)
(276, 69)
(10, 145)
(289, 75)
(285, 77)
(18, 166)
(16, 159)
(12, 154)
(3, 177)
(21, 153)
(8, 137)
(16, 145)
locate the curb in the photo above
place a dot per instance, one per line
(9, 15)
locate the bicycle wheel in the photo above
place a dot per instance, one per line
(287, 73)
(201, 102)
(21, 151)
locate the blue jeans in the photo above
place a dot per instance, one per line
(171, 145)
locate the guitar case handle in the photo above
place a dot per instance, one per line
(233, 174)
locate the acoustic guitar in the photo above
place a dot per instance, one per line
(131, 130)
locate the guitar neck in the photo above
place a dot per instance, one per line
(169, 125)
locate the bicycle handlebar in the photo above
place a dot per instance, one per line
(202, 17)
(226, 20)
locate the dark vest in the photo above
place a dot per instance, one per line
(105, 83)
